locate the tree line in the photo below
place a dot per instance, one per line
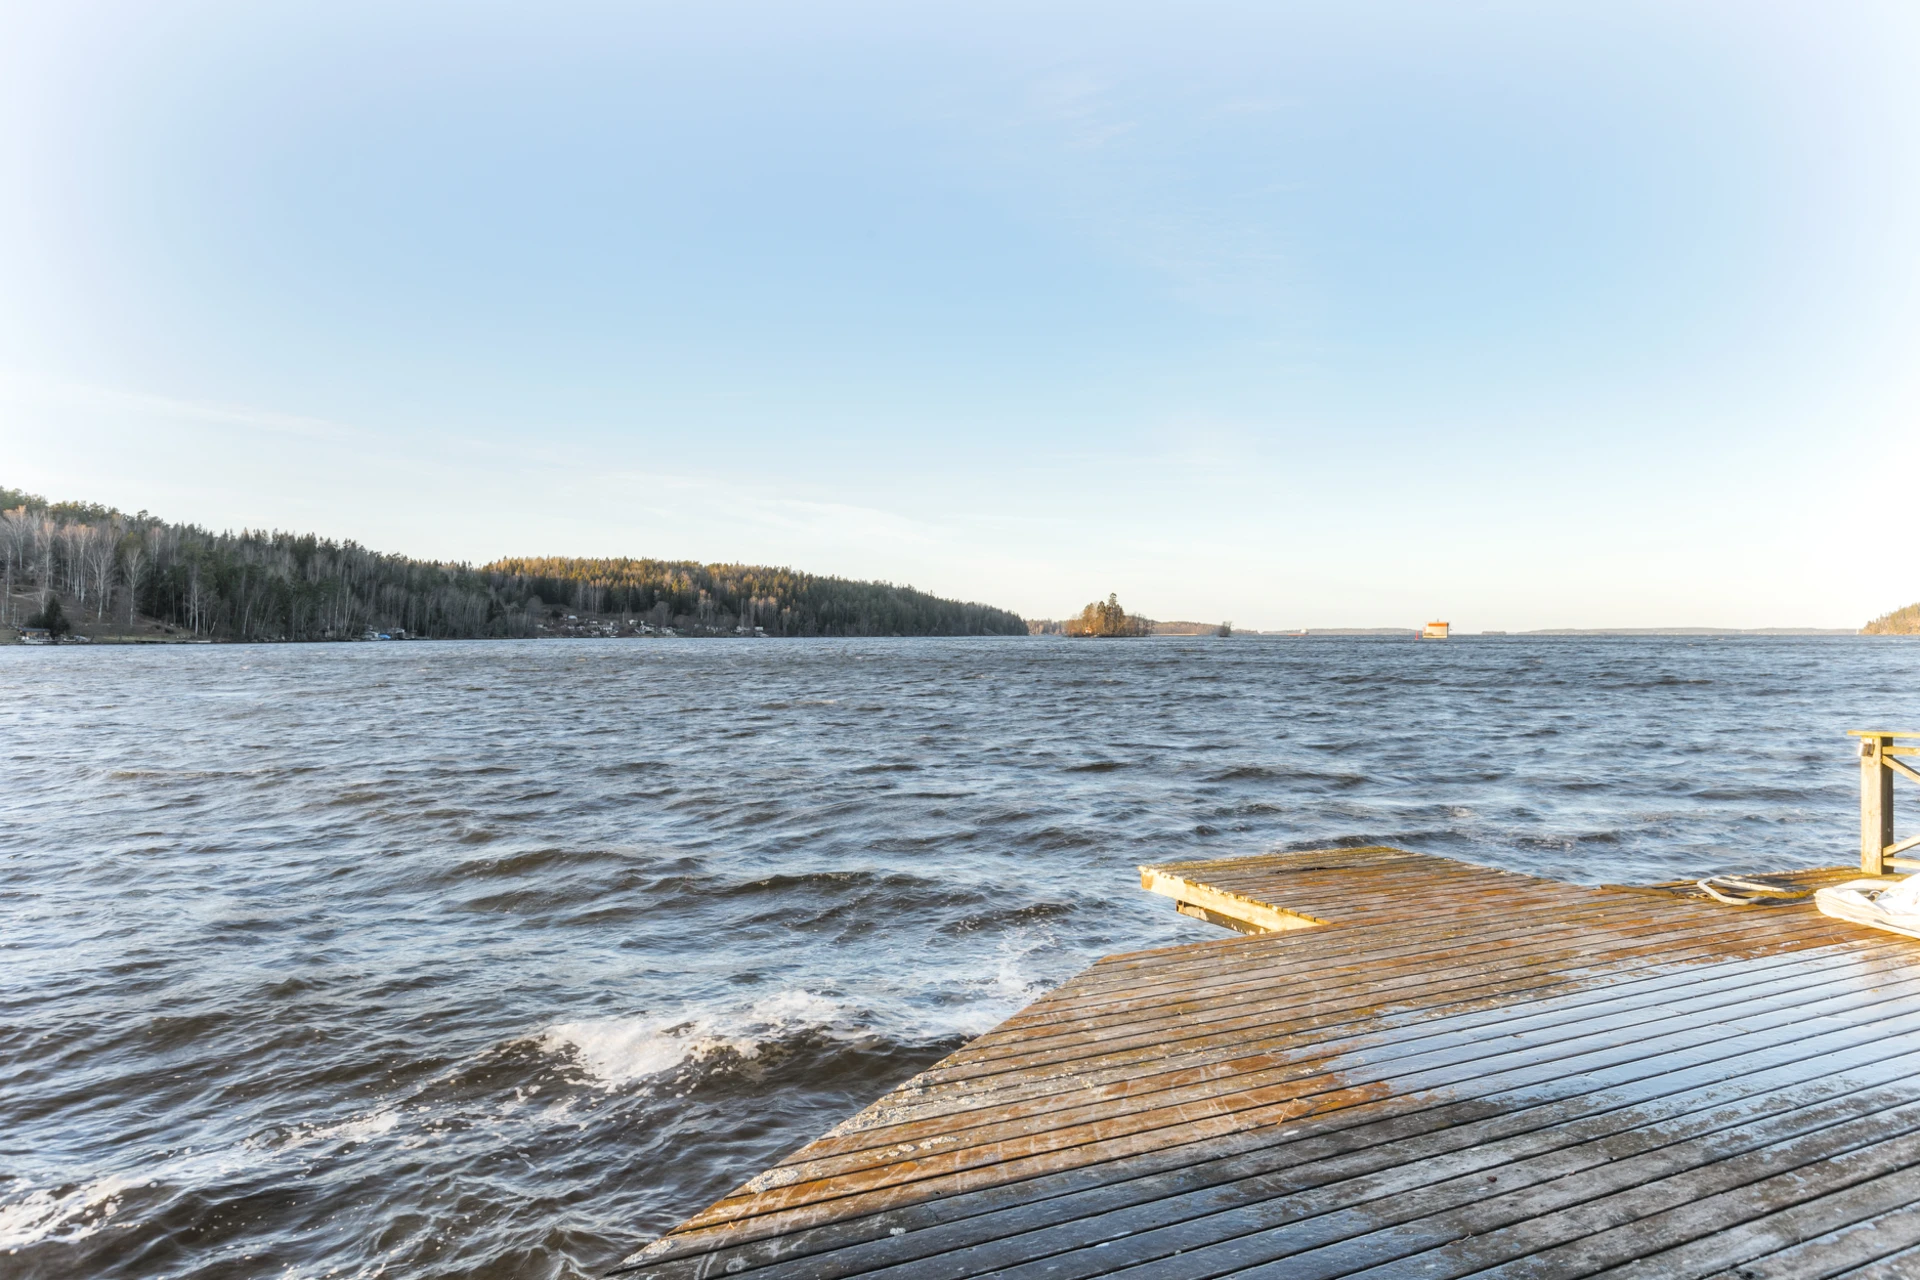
(114, 568)
(784, 602)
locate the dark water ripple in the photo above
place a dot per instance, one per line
(493, 959)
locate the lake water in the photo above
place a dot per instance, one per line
(497, 958)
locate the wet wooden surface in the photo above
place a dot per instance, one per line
(1461, 1071)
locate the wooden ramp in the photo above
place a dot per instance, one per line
(1425, 1068)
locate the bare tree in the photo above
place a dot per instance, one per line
(102, 556)
(196, 601)
(133, 558)
(46, 535)
(16, 546)
(75, 541)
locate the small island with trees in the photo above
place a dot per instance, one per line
(1107, 619)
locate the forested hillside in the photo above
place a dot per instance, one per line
(1901, 622)
(112, 568)
(783, 601)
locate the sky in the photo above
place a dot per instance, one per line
(1300, 315)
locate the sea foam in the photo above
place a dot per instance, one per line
(619, 1051)
(74, 1213)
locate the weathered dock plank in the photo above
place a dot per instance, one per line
(1408, 1066)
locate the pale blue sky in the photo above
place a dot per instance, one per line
(1303, 315)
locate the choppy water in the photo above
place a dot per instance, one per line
(497, 958)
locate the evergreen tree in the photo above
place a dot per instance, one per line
(52, 617)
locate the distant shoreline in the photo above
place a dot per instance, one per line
(1574, 631)
(117, 636)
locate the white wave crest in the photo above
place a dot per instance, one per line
(618, 1051)
(353, 1129)
(47, 1214)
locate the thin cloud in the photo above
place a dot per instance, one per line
(788, 514)
(26, 389)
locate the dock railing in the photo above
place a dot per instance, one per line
(1880, 750)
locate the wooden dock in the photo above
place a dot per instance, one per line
(1410, 1066)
